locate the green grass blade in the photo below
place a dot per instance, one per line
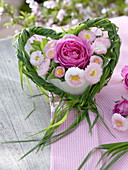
(86, 159)
(34, 107)
(21, 141)
(29, 86)
(115, 159)
(20, 65)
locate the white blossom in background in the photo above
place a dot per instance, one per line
(32, 3)
(50, 22)
(126, 9)
(16, 32)
(104, 10)
(34, 6)
(67, 2)
(50, 4)
(36, 11)
(72, 14)
(39, 23)
(87, 11)
(79, 5)
(112, 5)
(75, 21)
(1, 10)
(39, 14)
(61, 14)
(126, 2)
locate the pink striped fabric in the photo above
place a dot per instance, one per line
(68, 153)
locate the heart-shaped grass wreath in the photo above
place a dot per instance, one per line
(81, 103)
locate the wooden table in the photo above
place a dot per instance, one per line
(15, 105)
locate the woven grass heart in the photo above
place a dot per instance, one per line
(75, 65)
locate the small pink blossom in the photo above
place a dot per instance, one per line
(61, 14)
(44, 67)
(49, 45)
(119, 122)
(124, 71)
(96, 59)
(59, 71)
(75, 21)
(50, 4)
(93, 73)
(36, 58)
(74, 77)
(50, 53)
(104, 41)
(99, 48)
(88, 35)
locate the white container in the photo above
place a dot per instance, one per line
(66, 88)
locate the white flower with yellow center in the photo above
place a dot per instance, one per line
(103, 40)
(119, 122)
(96, 59)
(74, 77)
(50, 53)
(99, 48)
(44, 67)
(93, 73)
(50, 44)
(36, 58)
(88, 35)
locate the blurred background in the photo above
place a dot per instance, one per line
(18, 14)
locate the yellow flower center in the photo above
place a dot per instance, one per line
(118, 123)
(75, 78)
(96, 61)
(59, 71)
(93, 73)
(50, 45)
(87, 36)
(37, 57)
(50, 53)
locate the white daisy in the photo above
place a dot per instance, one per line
(119, 122)
(88, 35)
(96, 59)
(93, 73)
(44, 67)
(36, 58)
(74, 77)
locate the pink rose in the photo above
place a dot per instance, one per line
(124, 74)
(126, 81)
(121, 108)
(72, 51)
(124, 71)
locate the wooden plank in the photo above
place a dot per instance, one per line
(15, 105)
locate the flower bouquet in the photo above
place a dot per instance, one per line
(72, 65)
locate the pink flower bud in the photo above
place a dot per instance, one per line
(59, 71)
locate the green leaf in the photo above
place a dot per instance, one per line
(20, 65)
(43, 43)
(34, 107)
(29, 86)
(115, 159)
(51, 75)
(86, 159)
